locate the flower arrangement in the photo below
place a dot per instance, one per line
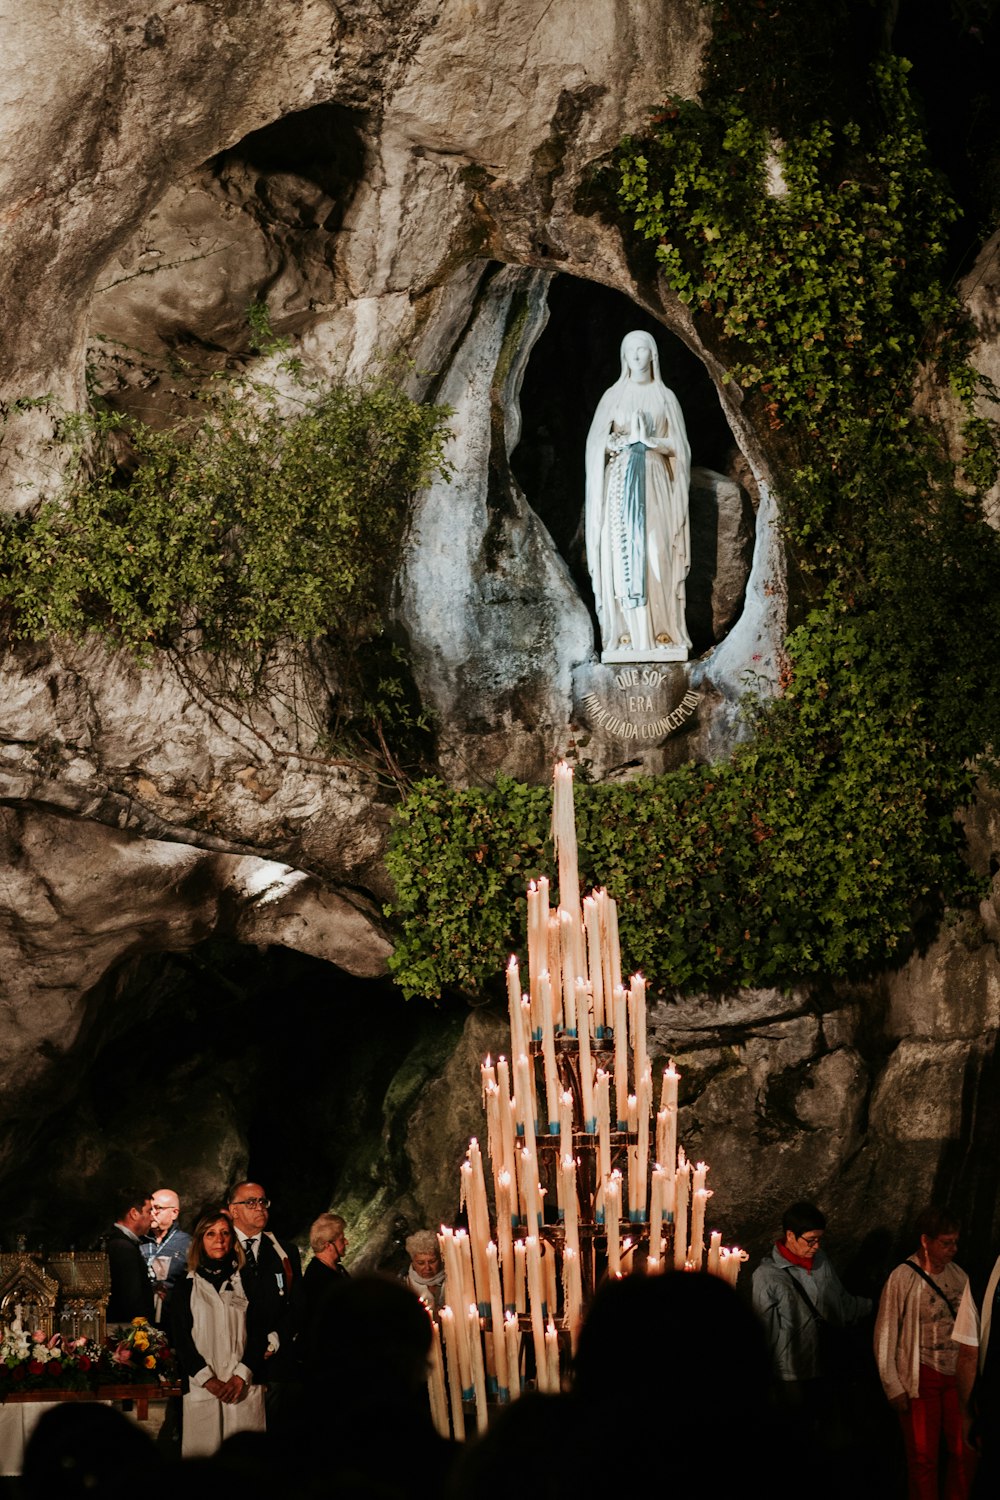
(30, 1362)
(141, 1353)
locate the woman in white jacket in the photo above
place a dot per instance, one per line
(218, 1342)
(917, 1357)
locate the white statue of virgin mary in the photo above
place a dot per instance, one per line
(638, 547)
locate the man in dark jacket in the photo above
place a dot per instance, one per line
(131, 1288)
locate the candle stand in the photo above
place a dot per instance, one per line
(588, 1179)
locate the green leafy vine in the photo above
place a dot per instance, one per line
(268, 522)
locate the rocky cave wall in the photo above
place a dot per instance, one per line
(410, 176)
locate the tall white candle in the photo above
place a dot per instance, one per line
(462, 1350)
(454, 1277)
(699, 1198)
(520, 1277)
(532, 1192)
(572, 1294)
(670, 1139)
(467, 1283)
(699, 1201)
(525, 1101)
(614, 946)
(682, 1181)
(637, 992)
(536, 1298)
(538, 942)
(436, 1388)
(487, 1075)
(555, 968)
(479, 1223)
(595, 969)
(586, 1058)
(570, 1203)
(603, 1093)
(494, 1137)
(549, 1279)
(549, 1054)
(565, 1120)
(564, 838)
(456, 1378)
(496, 1319)
(660, 1143)
(506, 1118)
(612, 1217)
(505, 1234)
(512, 1331)
(478, 1368)
(551, 1358)
(645, 1096)
(568, 952)
(656, 1209)
(603, 916)
(518, 1040)
(714, 1252)
(621, 1055)
(668, 1092)
(632, 1157)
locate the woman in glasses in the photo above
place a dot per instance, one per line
(918, 1358)
(220, 1341)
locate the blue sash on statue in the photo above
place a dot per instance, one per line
(633, 541)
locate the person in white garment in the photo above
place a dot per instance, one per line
(220, 1341)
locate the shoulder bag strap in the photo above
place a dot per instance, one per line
(933, 1286)
(818, 1316)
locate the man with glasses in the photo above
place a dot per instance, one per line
(165, 1249)
(798, 1295)
(272, 1275)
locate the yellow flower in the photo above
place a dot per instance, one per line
(139, 1323)
(141, 1341)
(149, 1362)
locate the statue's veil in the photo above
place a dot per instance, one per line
(650, 343)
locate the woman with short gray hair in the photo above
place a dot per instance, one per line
(426, 1273)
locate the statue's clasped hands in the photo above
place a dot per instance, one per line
(637, 434)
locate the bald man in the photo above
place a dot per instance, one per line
(165, 1249)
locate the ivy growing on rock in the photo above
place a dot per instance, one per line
(808, 853)
(268, 520)
(812, 254)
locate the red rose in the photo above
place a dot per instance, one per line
(35, 1367)
(17, 1373)
(83, 1363)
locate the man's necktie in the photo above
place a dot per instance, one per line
(251, 1252)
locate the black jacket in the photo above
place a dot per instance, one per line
(131, 1288)
(276, 1288)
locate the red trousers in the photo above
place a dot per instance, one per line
(932, 1416)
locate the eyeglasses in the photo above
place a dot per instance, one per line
(812, 1240)
(251, 1203)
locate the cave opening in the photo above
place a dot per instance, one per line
(219, 1062)
(575, 359)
